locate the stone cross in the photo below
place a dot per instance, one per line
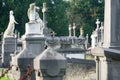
(74, 27)
(53, 34)
(97, 23)
(44, 29)
(70, 28)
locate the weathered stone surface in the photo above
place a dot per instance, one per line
(50, 64)
(32, 28)
(8, 47)
(81, 70)
(78, 71)
(112, 24)
(33, 46)
(107, 63)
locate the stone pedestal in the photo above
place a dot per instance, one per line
(33, 45)
(8, 47)
(50, 65)
(107, 63)
(32, 28)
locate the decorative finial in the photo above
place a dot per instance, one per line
(44, 8)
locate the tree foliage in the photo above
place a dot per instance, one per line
(59, 14)
(84, 13)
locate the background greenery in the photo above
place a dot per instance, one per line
(60, 14)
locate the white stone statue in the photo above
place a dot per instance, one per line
(93, 39)
(35, 24)
(33, 14)
(10, 29)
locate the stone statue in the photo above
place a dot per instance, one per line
(93, 39)
(10, 29)
(33, 14)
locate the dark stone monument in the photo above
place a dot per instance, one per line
(8, 47)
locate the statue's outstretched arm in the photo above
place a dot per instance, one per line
(16, 22)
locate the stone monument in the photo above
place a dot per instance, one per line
(33, 43)
(108, 57)
(9, 41)
(93, 39)
(111, 24)
(44, 30)
(34, 20)
(51, 65)
(11, 26)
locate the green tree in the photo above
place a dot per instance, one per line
(59, 14)
(55, 14)
(84, 13)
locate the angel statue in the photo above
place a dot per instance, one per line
(33, 15)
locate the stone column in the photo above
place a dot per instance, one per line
(50, 64)
(97, 67)
(112, 24)
(102, 33)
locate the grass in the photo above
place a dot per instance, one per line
(5, 78)
(89, 57)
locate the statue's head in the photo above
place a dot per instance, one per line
(32, 5)
(11, 12)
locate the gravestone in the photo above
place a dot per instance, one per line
(50, 64)
(8, 47)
